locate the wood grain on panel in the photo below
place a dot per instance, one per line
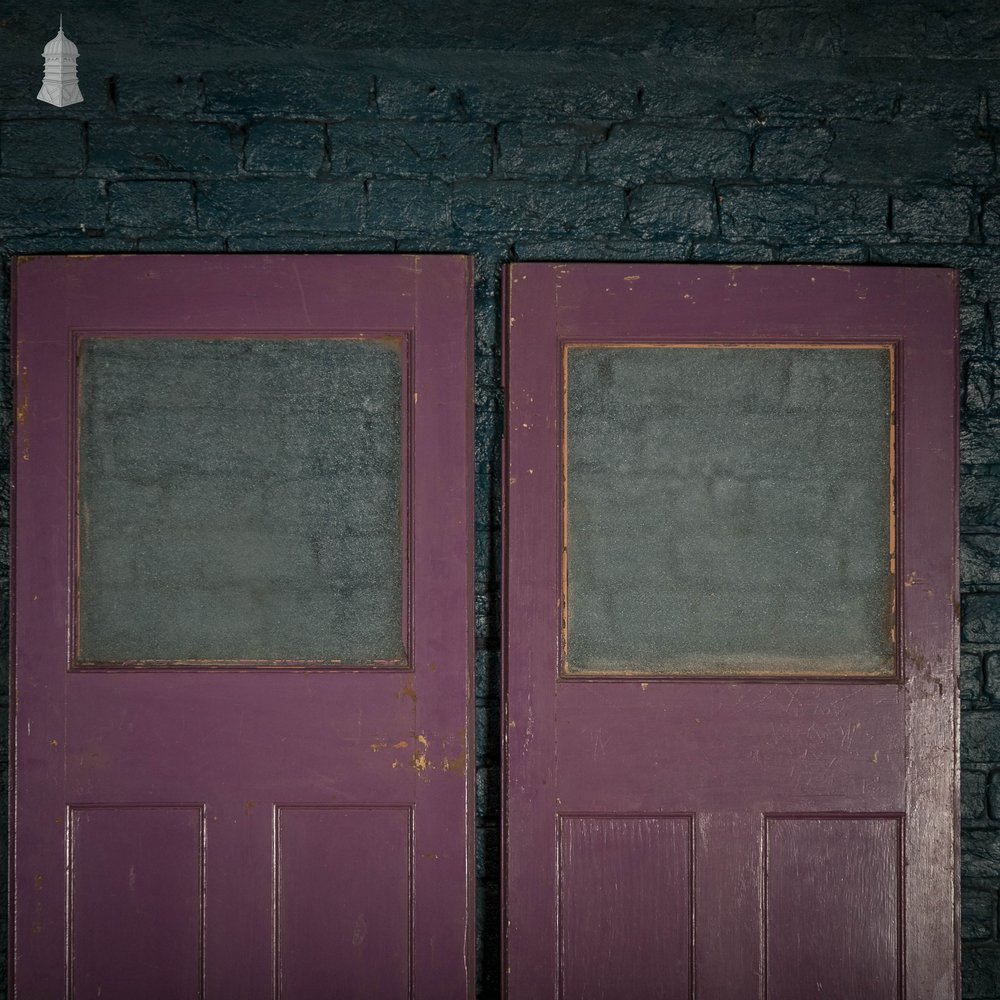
(343, 902)
(135, 902)
(625, 916)
(833, 900)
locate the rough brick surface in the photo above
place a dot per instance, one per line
(261, 207)
(129, 150)
(151, 207)
(446, 149)
(285, 148)
(518, 207)
(803, 213)
(633, 153)
(53, 148)
(823, 133)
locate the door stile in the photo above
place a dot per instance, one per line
(529, 601)
(929, 599)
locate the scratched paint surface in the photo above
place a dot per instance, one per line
(239, 500)
(728, 510)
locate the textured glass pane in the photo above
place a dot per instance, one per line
(239, 500)
(728, 510)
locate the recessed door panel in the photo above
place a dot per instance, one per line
(243, 585)
(730, 502)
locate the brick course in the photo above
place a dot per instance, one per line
(836, 133)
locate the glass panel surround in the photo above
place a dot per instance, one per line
(728, 510)
(239, 501)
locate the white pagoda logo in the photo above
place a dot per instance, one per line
(59, 85)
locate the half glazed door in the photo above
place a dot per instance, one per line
(242, 633)
(730, 632)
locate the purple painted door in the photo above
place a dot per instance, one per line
(730, 632)
(242, 627)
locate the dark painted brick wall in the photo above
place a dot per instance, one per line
(702, 130)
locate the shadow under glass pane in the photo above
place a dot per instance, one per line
(239, 500)
(728, 511)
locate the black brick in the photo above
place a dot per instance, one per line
(267, 207)
(980, 737)
(50, 206)
(279, 148)
(151, 207)
(981, 854)
(933, 214)
(408, 206)
(393, 149)
(979, 909)
(552, 151)
(636, 153)
(803, 213)
(973, 795)
(167, 150)
(672, 211)
(287, 89)
(980, 499)
(41, 148)
(522, 207)
(792, 154)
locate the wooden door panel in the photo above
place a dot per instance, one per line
(136, 912)
(833, 901)
(344, 901)
(625, 912)
(730, 510)
(286, 649)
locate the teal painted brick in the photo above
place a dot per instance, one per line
(487, 674)
(556, 93)
(981, 854)
(124, 149)
(285, 242)
(164, 94)
(549, 151)
(980, 737)
(636, 153)
(799, 213)
(672, 211)
(993, 795)
(145, 208)
(613, 247)
(980, 381)
(50, 206)
(522, 207)
(980, 559)
(979, 439)
(818, 253)
(487, 792)
(880, 153)
(792, 154)
(488, 853)
(438, 149)
(980, 499)
(979, 909)
(41, 148)
(980, 972)
(280, 148)
(991, 219)
(264, 208)
(970, 677)
(726, 252)
(290, 89)
(973, 805)
(933, 214)
(408, 206)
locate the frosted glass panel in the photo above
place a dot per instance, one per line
(239, 500)
(727, 510)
